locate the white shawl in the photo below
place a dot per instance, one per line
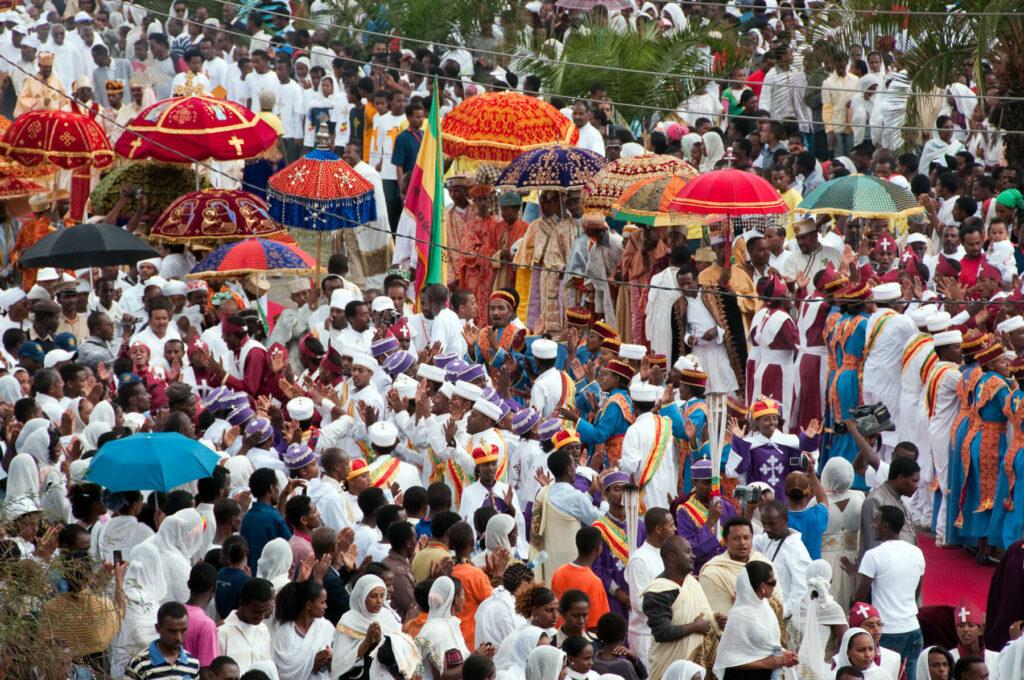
(144, 588)
(684, 670)
(275, 563)
(294, 653)
(441, 632)
(817, 611)
(545, 663)
(356, 621)
(873, 672)
(516, 648)
(752, 631)
(177, 541)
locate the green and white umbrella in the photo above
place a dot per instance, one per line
(860, 196)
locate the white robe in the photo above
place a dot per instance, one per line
(790, 559)
(294, 653)
(496, 617)
(473, 498)
(643, 567)
(658, 325)
(248, 644)
(637, 442)
(546, 394)
(883, 363)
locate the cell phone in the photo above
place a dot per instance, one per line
(118, 558)
(303, 490)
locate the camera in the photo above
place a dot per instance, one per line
(748, 494)
(870, 418)
(389, 317)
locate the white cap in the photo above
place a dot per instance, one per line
(543, 348)
(917, 238)
(752, 235)
(37, 292)
(175, 287)
(489, 409)
(684, 364)
(381, 303)
(1011, 324)
(297, 285)
(383, 434)
(11, 297)
(365, 361)
(405, 386)
(633, 352)
(300, 408)
(340, 298)
(921, 315)
(212, 22)
(83, 18)
(47, 274)
(447, 389)
(947, 338)
(430, 372)
(833, 240)
(83, 286)
(347, 349)
(55, 356)
(157, 280)
(886, 292)
(940, 321)
(644, 391)
(155, 261)
(467, 391)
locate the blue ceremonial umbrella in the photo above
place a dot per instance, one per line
(150, 461)
(553, 168)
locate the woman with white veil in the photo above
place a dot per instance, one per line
(714, 150)
(441, 634)
(90, 436)
(515, 650)
(545, 663)
(275, 563)
(684, 670)
(368, 635)
(498, 534)
(104, 412)
(842, 534)
(751, 644)
(10, 388)
(144, 589)
(818, 620)
(177, 541)
(302, 634)
(857, 649)
(123, 531)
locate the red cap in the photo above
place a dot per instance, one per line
(861, 612)
(968, 612)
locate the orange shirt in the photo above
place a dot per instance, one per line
(574, 577)
(477, 588)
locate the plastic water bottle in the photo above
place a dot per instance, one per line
(537, 561)
(777, 673)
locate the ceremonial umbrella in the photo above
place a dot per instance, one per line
(860, 196)
(606, 187)
(195, 128)
(251, 256)
(555, 168)
(729, 192)
(9, 167)
(588, 5)
(86, 245)
(151, 461)
(12, 187)
(647, 201)
(213, 216)
(495, 127)
(67, 140)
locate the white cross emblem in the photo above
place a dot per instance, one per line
(771, 469)
(863, 611)
(963, 614)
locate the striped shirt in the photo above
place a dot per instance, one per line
(150, 664)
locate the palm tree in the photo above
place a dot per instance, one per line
(940, 45)
(637, 68)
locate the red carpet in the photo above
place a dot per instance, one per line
(952, 573)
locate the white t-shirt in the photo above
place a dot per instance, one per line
(896, 567)
(258, 82)
(386, 127)
(876, 478)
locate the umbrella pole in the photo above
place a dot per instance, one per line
(319, 244)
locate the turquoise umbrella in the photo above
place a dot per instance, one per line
(150, 461)
(860, 196)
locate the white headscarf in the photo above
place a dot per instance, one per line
(275, 562)
(816, 612)
(687, 142)
(752, 631)
(10, 389)
(353, 626)
(676, 16)
(103, 412)
(37, 442)
(683, 670)
(240, 469)
(837, 476)
(177, 541)
(921, 671)
(145, 589)
(545, 663)
(964, 99)
(714, 149)
(873, 672)
(516, 648)
(442, 630)
(497, 531)
(22, 487)
(91, 434)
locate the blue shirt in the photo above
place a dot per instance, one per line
(423, 528)
(262, 524)
(811, 522)
(229, 587)
(407, 148)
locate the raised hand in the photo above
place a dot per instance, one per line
(734, 427)
(542, 477)
(813, 428)
(449, 431)
(568, 412)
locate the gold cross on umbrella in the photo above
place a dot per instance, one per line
(236, 142)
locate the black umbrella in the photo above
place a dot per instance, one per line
(87, 245)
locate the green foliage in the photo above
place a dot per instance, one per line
(426, 20)
(651, 62)
(162, 183)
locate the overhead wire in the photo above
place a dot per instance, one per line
(594, 102)
(543, 59)
(428, 242)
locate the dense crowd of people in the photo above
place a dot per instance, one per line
(514, 475)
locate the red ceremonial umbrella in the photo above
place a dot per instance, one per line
(496, 127)
(12, 187)
(214, 216)
(196, 128)
(67, 140)
(729, 192)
